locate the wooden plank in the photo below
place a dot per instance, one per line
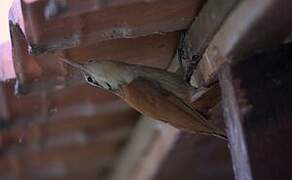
(234, 128)
(96, 21)
(58, 162)
(257, 105)
(251, 25)
(76, 101)
(207, 23)
(153, 50)
(46, 73)
(201, 32)
(140, 143)
(76, 130)
(43, 129)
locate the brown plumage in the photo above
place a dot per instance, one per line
(154, 92)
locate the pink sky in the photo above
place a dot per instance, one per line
(4, 28)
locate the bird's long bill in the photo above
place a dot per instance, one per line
(75, 65)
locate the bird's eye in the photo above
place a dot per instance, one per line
(89, 79)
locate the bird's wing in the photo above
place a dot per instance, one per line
(199, 117)
(151, 99)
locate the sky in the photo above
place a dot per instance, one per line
(4, 27)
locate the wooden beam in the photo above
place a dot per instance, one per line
(59, 162)
(39, 73)
(257, 105)
(76, 130)
(46, 73)
(152, 50)
(96, 21)
(252, 24)
(201, 32)
(207, 23)
(62, 104)
(142, 141)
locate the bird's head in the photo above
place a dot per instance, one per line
(101, 74)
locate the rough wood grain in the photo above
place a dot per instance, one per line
(77, 130)
(97, 21)
(257, 104)
(252, 24)
(58, 162)
(46, 73)
(57, 105)
(207, 23)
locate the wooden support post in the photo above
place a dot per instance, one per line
(257, 96)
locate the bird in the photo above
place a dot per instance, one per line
(154, 92)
